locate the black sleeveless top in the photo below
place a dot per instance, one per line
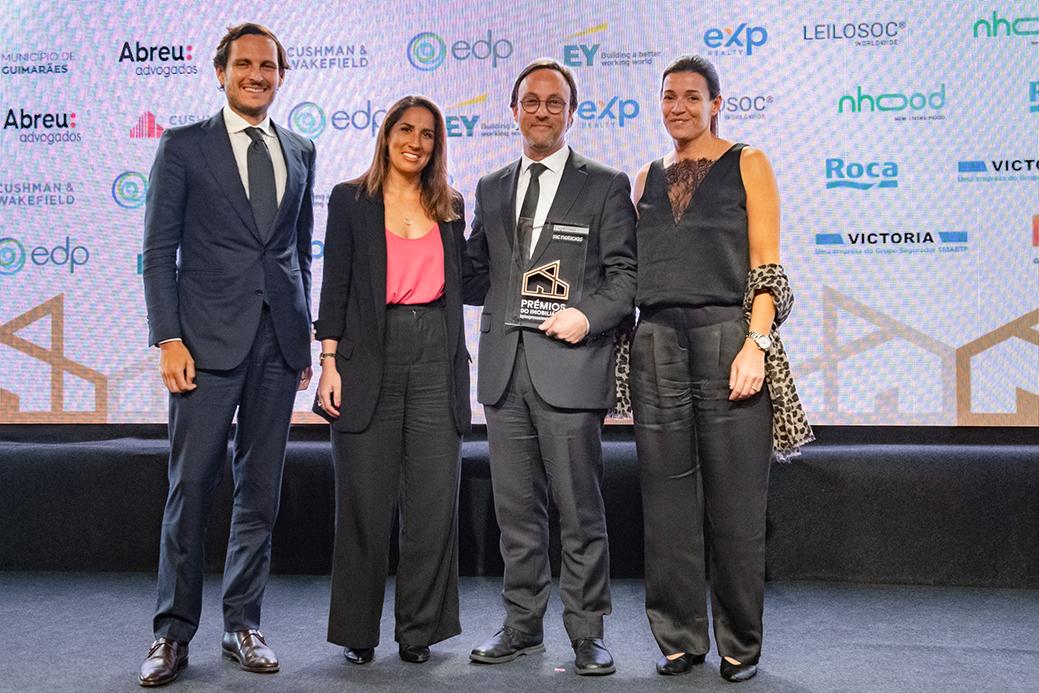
(702, 260)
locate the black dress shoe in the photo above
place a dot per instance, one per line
(359, 655)
(164, 662)
(506, 645)
(679, 665)
(415, 654)
(249, 648)
(737, 672)
(591, 658)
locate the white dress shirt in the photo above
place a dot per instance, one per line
(240, 142)
(549, 184)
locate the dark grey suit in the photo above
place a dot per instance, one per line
(545, 399)
(239, 299)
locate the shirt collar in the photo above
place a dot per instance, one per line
(554, 162)
(236, 123)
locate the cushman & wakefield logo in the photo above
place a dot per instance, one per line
(36, 62)
(39, 193)
(130, 189)
(42, 128)
(327, 57)
(14, 256)
(869, 34)
(997, 170)
(741, 40)
(308, 119)
(158, 60)
(860, 175)
(427, 50)
(577, 53)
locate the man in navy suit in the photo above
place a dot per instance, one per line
(232, 197)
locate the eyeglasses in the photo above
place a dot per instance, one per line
(553, 105)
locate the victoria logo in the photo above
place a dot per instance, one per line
(307, 119)
(855, 175)
(1033, 97)
(129, 189)
(728, 41)
(427, 51)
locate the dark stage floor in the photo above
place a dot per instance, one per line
(88, 632)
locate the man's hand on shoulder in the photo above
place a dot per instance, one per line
(177, 367)
(569, 325)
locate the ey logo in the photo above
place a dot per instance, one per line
(582, 54)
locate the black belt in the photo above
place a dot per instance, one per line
(685, 317)
(432, 305)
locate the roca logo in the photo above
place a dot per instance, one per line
(427, 50)
(743, 39)
(13, 256)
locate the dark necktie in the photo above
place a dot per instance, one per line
(525, 229)
(263, 194)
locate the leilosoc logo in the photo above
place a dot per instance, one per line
(746, 107)
(427, 51)
(864, 175)
(158, 60)
(615, 112)
(863, 102)
(129, 189)
(1033, 97)
(13, 256)
(997, 26)
(741, 40)
(307, 119)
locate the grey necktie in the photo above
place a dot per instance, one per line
(525, 230)
(263, 195)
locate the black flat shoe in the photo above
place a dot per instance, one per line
(415, 654)
(506, 645)
(737, 672)
(360, 655)
(678, 665)
(591, 658)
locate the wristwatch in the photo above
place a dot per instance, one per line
(762, 341)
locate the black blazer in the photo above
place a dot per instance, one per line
(353, 304)
(568, 376)
(197, 208)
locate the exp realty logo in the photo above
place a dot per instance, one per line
(860, 175)
(607, 113)
(997, 170)
(42, 128)
(741, 40)
(158, 60)
(37, 62)
(871, 33)
(308, 119)
(427, 50)
(594, 54)
(14, 256)
(890, 242)
(130, 189)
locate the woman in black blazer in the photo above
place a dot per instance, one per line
(395, 381)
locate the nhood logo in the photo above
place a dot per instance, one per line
(427, 51)
(1001, 26)
(13, 256)
(854, 175)
(862, 102)
(160, 57)
(728, 41)
(308, 119)
(615, 112)
(130, 189)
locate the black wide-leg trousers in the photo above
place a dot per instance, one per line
(704, 466)
(405, 464)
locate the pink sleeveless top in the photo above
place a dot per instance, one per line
(414, 268)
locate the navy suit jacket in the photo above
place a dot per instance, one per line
(211, 296)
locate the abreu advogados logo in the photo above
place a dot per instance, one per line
(158, 60)
(42, 128)
(130, 189)
(427, 50)
(307, 119)
(860, 175)
(741, 40)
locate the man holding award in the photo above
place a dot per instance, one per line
(553, 248)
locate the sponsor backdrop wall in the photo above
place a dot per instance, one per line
(904, 137)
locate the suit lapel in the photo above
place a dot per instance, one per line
(452, 281)
(375, 227)
(295, 175)
(570, 186)
(507, 197)
(216, 150)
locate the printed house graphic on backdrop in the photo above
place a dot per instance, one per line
(544, 281)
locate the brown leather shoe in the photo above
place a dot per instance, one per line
(249, 649)
(164, 661)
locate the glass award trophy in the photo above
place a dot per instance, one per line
(549, 281)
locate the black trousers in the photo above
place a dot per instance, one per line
(262, 389)
(406, 463)
(536, 448)
(704, 465)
